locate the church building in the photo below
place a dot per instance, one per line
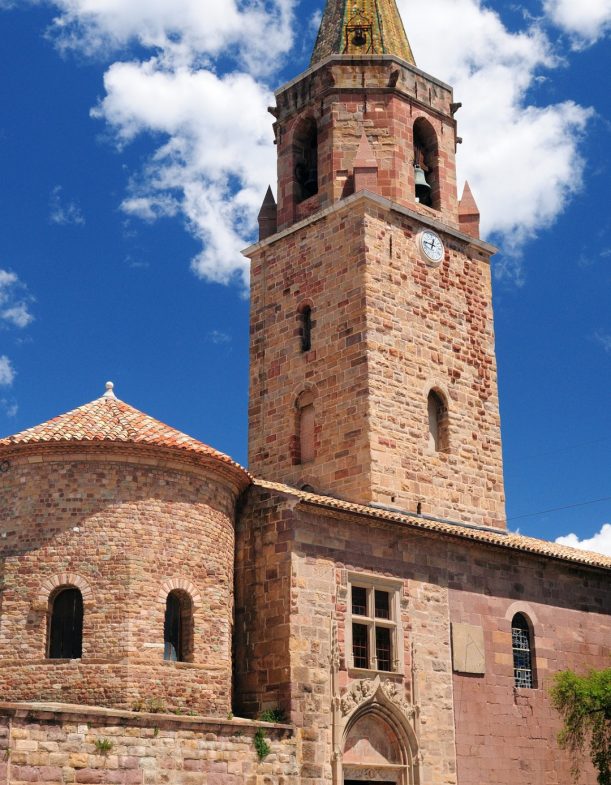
(351, 608)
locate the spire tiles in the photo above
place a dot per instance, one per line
(362, 27)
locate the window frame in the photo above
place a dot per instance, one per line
(393, 588)
(528, 629)
(56, 623)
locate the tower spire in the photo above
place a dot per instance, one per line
(362, 27)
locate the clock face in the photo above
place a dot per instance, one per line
(432, 247)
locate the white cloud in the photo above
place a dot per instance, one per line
(604, 339)
(218, 337)
(63, 212)
(216, 154)
(586, 22)
(523, 161)
(599, 542)
(7, 372)
(14, 301)
(216, 162)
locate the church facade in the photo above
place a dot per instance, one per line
(351, 609)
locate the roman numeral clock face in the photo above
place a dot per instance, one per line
(431, 247)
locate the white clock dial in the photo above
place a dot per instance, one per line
(432, 247)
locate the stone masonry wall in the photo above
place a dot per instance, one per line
(323, 266)
(347, 98)
(59, 744)
(506, 734)
(431, 328)
(468, 729)
(126, 532)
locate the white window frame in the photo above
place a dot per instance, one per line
(394, 588)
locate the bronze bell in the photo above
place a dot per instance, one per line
(423, 189)
(359, 38)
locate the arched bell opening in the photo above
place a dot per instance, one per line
(427, 187)
(379, 748)
(305, 160)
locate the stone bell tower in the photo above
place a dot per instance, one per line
(373, 373)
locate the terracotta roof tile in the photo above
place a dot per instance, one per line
(501, 538)
(108, 419)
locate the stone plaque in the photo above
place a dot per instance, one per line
(468, 649)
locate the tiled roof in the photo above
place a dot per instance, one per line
(384, 31)
(501, 538)
(109, 420)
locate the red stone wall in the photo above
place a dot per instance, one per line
(126, 528)
(469, 729)
(505, 734)
(347, 98)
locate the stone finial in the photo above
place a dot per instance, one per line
(468, 213)
(268, 216)
(365, 167)
(110, 387)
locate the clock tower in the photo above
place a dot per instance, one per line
(373, 372)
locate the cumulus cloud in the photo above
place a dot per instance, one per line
(203, 86)
(586, 22)
(523, 161)
(63, 211)
(604, 339)
(599, 542)
(14, 301)
(7, 372)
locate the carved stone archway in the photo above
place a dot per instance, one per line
(374, 736)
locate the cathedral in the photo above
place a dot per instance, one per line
(351, 608)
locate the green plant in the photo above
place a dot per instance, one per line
(103, 746)
(584, 702)
(155, 706)
(155, 732)
(272, 715)
(229, 715)
(261, 745)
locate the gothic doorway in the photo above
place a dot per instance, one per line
(373, 752)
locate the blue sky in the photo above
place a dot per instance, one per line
(135, 149)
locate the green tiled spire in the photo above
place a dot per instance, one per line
(362, 27)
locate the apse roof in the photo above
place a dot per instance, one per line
(362, 27)
(110, 420)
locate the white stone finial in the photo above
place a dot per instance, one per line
(109, 391)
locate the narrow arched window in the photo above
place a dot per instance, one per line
(521, 641)
(306, 427)
(178, 627)
(306, 328)
(66, 625)
(438, 423)
(305, 156)
(426, 168)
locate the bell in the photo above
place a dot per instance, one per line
(359, 38)
(423, 189)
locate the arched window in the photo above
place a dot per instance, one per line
(426, 169)
(178, 627)
(438, 423)
(305, 315)
(66, 625)
(306, 427)
(521, 642)
(305, 156)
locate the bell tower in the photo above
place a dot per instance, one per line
(373, 372)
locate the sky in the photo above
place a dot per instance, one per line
(135, 151)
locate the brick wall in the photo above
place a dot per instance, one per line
(58, 744)
(126, 528)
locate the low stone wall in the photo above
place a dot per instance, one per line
(57, 744)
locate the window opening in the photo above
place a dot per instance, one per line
(522, 654)
(374, 628)
(426, 175)
(177, 628)
(306, 329)
(306, 160)
(438, 423)
(66, 626)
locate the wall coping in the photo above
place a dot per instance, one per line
(72, 711)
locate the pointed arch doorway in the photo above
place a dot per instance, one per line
(378, 745)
